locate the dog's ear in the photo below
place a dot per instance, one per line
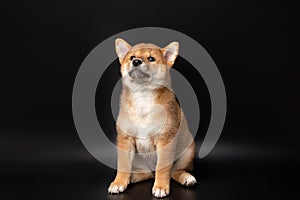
(170, 52)
(122, 48)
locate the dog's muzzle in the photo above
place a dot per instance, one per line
(136, 73)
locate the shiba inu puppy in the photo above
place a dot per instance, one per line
(153, 139)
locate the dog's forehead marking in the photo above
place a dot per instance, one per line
(146, 49)
(147, 52)
(144, 46)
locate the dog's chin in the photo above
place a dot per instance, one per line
(136, 74)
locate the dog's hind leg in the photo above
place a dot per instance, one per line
(181, 167)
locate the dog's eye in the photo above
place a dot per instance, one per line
(132, 57)
(151, 59)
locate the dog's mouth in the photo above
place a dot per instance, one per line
(138, 74)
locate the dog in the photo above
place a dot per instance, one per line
(153, 137)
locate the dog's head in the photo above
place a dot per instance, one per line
(145, 63)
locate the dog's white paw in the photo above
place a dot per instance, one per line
(115, 188)
(189, 180)
(160, 192)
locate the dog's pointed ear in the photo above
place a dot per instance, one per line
(122, 48)
(171, 52)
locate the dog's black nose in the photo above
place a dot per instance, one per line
(136, 62)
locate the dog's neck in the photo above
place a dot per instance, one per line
(145, 87)
(152, 85)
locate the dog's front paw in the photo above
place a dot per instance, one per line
(117, 187)
(160, 192)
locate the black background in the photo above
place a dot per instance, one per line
(43, 45)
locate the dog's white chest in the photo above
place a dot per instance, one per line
(142, 102)
(145, 114)
(142, 117)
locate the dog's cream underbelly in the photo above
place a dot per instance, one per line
(145, 157)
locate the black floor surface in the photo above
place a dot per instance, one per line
(66, 172)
